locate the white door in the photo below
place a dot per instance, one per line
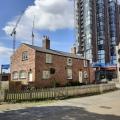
(80, 77)
(30, 77)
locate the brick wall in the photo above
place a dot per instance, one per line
(60, 65)
(17, 64)
(37, 63)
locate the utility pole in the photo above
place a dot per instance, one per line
(33, 31)
(13, 33)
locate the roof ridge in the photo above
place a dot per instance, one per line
(52, 51)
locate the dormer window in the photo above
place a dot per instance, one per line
(25, 55)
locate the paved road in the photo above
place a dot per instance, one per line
(99, 107)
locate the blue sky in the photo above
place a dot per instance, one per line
(8, 10)
(52, 17)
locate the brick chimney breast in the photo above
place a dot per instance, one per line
(46, 42)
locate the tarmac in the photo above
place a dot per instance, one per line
(98, 107)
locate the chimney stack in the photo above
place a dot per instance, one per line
(46, 42)
(73, 50)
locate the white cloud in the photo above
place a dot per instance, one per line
(49, 15)
(5, 54)
(5, 51)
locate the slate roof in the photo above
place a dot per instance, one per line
(55, 52)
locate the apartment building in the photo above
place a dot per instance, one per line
(97, 29)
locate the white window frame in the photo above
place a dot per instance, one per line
(69, 61)
(25, 55)
(48, 58)
(22, 74)
(69, 73)
(30, 76)
(46, 74)
(85, 63)
(15, 75)
(85, 74)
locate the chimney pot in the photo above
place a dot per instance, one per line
(46, 42)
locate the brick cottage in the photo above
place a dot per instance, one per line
(43, 67)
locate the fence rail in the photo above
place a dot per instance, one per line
(53, 93)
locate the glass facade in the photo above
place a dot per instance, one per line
(97, 17)
(100, 8)
(112, 22)
(87, 18)
(100, 12)
(77, 24)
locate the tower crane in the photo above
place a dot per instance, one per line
(13, 33)
(75, 23)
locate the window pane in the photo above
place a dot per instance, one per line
(48, 58)
(69, 73)
(69, 61)
(15, 75)
(22, 74)
(85, 63)
(25, 55)
(46, 74)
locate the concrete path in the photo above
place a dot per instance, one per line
(99, 107)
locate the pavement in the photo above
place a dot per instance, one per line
(99, 107)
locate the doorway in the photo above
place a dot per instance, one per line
(80, 77)
(30, 77)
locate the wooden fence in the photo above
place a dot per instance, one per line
(56, 93)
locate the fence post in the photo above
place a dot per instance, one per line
(30, 94)
(2, 96)
(55, 93)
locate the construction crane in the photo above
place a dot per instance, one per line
(74, 14)
(13, 33)
(33, 31)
